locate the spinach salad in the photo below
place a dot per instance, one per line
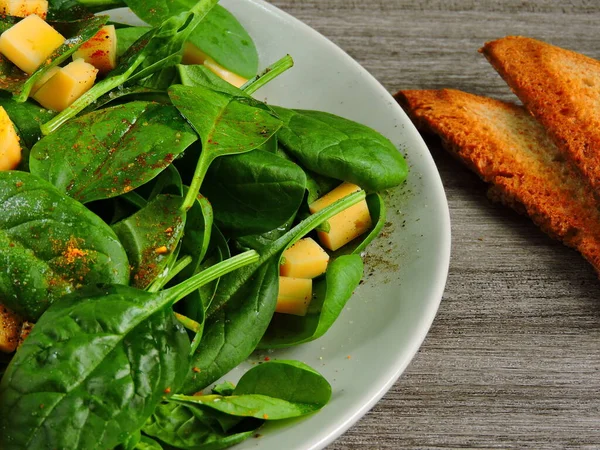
(142, 235)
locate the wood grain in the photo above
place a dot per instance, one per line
(513, 358)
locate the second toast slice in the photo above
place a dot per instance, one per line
(510, 150)
(561, 88)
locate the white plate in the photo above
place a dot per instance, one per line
(387, 319)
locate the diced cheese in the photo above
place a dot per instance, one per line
(43, 79)
(193, 55)
(347, 225)
(294, 295)
(67, 85)
(10, 330)
(304, 259)
(28, 43)
(24, 8)
(10, 149)
(101, 50)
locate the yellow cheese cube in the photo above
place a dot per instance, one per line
(10, 330)
(10, 150)
(67, 85)
(101, 50)
(347, 225)
(24, 8)
(43, 79)
(28, 43)
(193, 55)
(294, 295)
(304, 259)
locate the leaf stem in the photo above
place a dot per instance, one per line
(190, 324)
(270, 73)
(188, 286)
(202, 166)
(161, 282)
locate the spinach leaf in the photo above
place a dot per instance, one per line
(189, 427)
(96, 365)
(51, 245)
(227, 125)
(127, 36)
(244, 304)
(221, 36)
(225, 388)
(147, 443)
(159, 48)
(254, 192)
(342, 149)
(226, 41)
(292, 381)
(330, 296)
(149, 236)
(92, 371)
(75, 32)
(273, 391)
(112, 151)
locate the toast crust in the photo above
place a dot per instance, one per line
(561, 88)
(509, 149)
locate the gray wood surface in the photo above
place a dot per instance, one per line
(513, 358)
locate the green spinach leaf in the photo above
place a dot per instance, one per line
(254, 192)
(272, 391)
(149, 236)
(221, 36)
(92, 371)
(342, 149)
(127, 36)
(189, 427)
(226, 124)
(51, 245)
(111, 151)
(330, 296)
(96, 365)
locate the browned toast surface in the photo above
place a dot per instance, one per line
(561, 88)
(508, 148)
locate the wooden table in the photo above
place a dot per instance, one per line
(513, 358)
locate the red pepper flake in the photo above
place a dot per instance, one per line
(348, 357)
(265, 416)
(198, 394)
(19, 184)
(167, 390)
(267, 358)
(196, 370)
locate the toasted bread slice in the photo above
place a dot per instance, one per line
(561, 88)
(508, 148)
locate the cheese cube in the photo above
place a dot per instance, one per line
(67, 85)
(24, 8)
(347, 225)
(101, 50)
(304, 259)
(193, 55)
(10, 149)
(294, 296)
(28, 43)
(10, 330)
(43, 79)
